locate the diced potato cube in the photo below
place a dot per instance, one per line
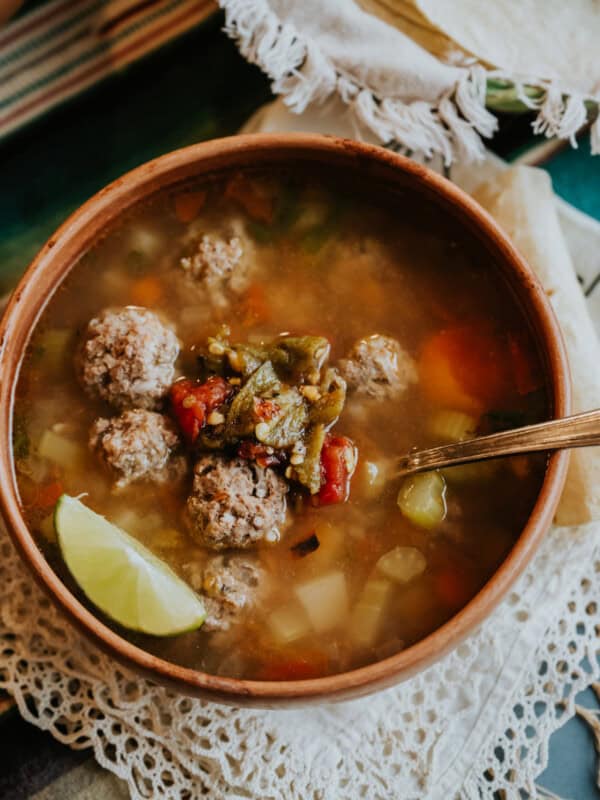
(289, 623)
(325, 600)
(62, 451)
(402, 564)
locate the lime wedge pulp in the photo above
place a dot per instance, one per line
(121, 576)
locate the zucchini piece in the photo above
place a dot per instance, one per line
(448, 425)
(422, 499)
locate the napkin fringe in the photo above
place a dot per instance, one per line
(451, 128)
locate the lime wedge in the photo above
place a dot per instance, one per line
(121, 576)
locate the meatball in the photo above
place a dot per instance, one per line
(231, 584)
(219, 267)
(379, 368)
(138, 445)
(235, 503)
(128, 358)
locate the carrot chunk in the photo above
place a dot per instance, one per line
(256, 203)
(254, 306)
(188, 205)
(295, 668)
(467, 367)
(146, 291)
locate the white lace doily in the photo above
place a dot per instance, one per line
(427, 737)
(476, 722)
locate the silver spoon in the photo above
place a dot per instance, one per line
(580, 430)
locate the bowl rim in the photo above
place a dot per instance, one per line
(342, 685)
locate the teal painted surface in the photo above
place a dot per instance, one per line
(572, 768)
(573, 764)
(198, 88)
(576, 178)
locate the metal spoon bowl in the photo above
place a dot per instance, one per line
(579, 430)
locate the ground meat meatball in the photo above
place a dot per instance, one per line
(127, 357)
(231, 584)
(378, 367)
(235, 503)
(137, 445)
(220, 266)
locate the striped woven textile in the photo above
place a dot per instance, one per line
(63, 47)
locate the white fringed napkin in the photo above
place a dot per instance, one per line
(473, 724)
(415, 72)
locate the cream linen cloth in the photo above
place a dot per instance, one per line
(476, 722)
(414, 72)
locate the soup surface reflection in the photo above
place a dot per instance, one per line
(229, 374)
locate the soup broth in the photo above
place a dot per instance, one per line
(421, 334)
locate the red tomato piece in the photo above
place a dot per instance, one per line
(49, 493)
(192, 402)
(338, 462)
(454, 586)
(524, 369)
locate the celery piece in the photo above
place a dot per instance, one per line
(54, 346)
(263, 234)
(20, 437)
(448, 425)
(368, 613)
(402, 564)
(64, 452)
(422, 499)
(289, 623)
(468, 473)
(47, 529)
(325, 600)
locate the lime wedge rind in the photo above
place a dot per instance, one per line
(121, 576)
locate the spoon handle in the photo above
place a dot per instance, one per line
(580, 430)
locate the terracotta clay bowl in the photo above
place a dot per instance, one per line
(372, 167)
